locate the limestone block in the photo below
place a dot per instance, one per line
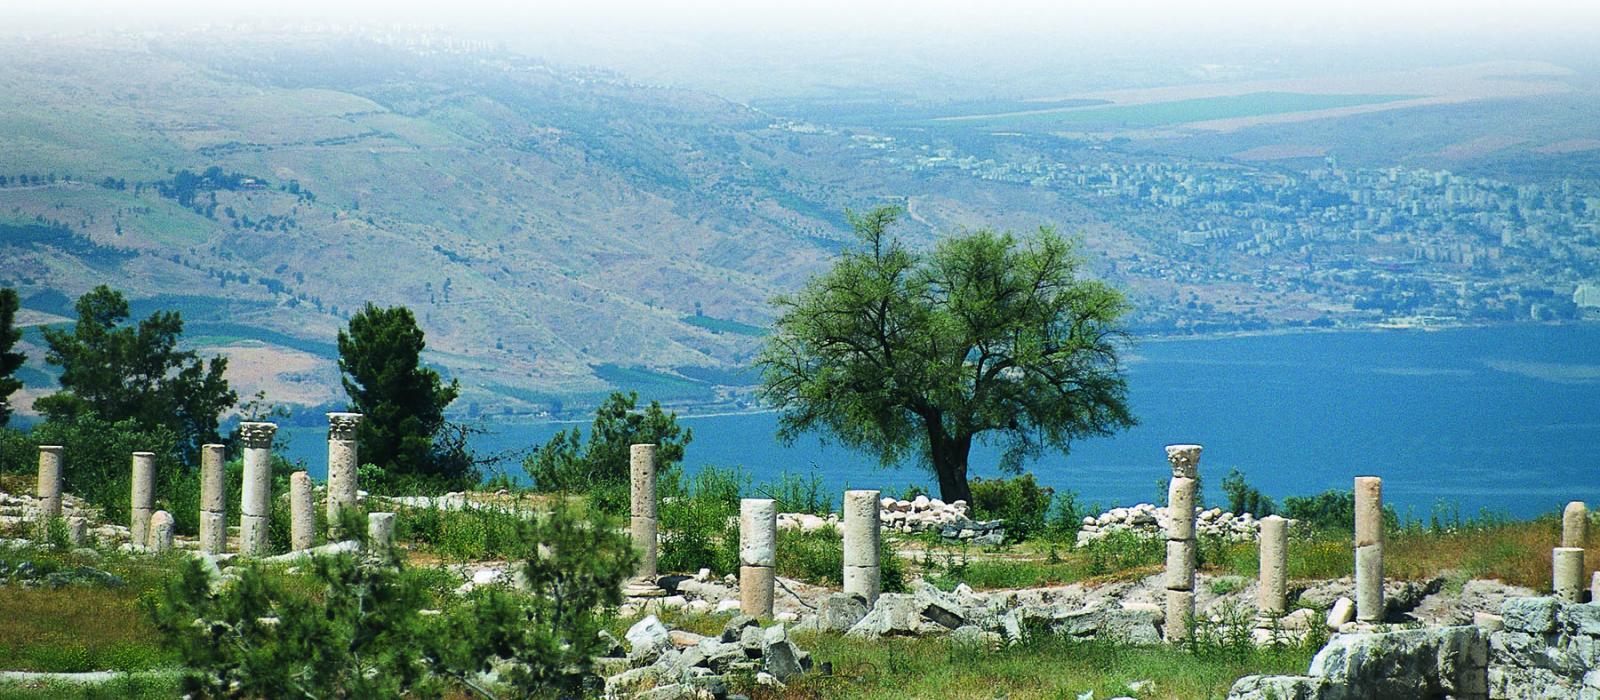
(1575, 525)
(253, 535)
(77, 530)
(1594, 587)
(1567, 573)
(213, 532)
(1180, 508)
(758, 532)
(1369, 510)
(1184, 459)
(144, 496)
(863, 581)
(380, 534)
(1180, 615)
(1369, 583)
(302, 515)
(49, 488)
(160, 531)
(213, 480)
(644, 540)
(1180, 565)
(642, 475)
(756, 590)
(1272, 594)
(861, 529)
(1343, 610)
(1534, 616)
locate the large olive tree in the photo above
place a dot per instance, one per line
(989, 336)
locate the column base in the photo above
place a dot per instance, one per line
(1369, 583)
(253, 541)
(864, 581)
(1180, 615)
(213, 532)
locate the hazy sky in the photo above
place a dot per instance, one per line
(933, 49)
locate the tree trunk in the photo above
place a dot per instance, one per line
(949, 456)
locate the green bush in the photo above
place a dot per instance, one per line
(19, 452)
(1244, 498)
(468, 534)
(1120, 550)
(1331, 510)
(699, 519)
(360, 633)
(1020, 501)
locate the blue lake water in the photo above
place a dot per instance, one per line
(1503, 418)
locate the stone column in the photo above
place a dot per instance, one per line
(302, 518)
(144, 497)
(862, 543)
(1185, 463)
(213, 500)
(1575, 525)
(77, 530)
(758, 550)
(380, 534)
(49, 490)
(642, 473)
(160, 531)
(1369, 549)
(1567, 573)
(1272, 598)
(343, 461)
(255, 508)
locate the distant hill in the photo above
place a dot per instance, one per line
(559, 233)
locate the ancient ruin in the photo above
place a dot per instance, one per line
(255, 507)
(343, 461)
(758, 549)
(49, 488)
(1185, 462)
(862, 543)
(144, 497)
(1369, 549)
(213, 500)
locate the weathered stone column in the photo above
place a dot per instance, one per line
(213, 500)
(1185, 463)
(380, 534)
(49, 489)
(1594, 587)
(1369, 549)
(160, 531)
(642, 476)
(302, 516)
(144, 497)
(1567, 573)
(758, 555)
(1272, 597)
(1575, 525)
(343, 462)
(862, 544)
(255, 508)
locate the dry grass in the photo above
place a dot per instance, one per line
(82, 627)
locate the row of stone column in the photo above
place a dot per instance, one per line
(148, 530)
(1566, 561)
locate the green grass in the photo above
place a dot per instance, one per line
(83, 627)
(1044, 668)
(131, 687)
(1176, 112)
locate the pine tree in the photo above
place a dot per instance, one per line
(9, 360)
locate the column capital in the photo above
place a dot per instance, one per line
(1185, 460)
(258, 435)
(342, 426)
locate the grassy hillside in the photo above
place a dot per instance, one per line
(556, 232)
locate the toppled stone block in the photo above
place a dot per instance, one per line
(647, 638)
(1530, 615)
(1283, 688)
(839, 612)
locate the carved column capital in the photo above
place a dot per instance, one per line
(342, 426)
(257, 435)
(1185, 460)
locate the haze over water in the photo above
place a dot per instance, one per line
(1500, 418)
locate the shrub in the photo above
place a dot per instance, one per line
(817, 557)
(1244, 498)
(19, 452)
(361, 633)
(700, 521)
(467, 534)
(1120, 550)
(1331, 510)
(97, 455)
(1020, 501)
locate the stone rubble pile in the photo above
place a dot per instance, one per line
(658, 663)
(910, 516)
(1535, 649)
(1151, 521)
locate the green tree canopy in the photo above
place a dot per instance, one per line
(380, 356)
(600, 466)
(916, 355)
(135, 372)
(9, 360)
